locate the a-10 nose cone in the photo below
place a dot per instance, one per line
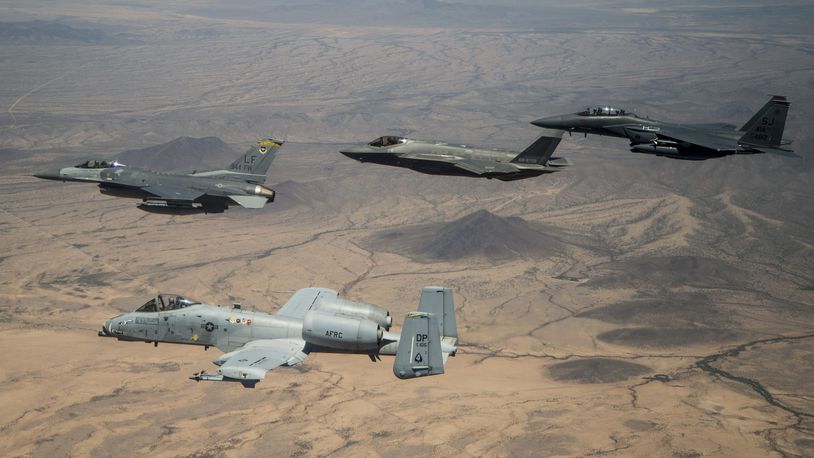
(50, 174)
(106, 332)
(554, 122)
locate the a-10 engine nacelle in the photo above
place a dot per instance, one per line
(370, 312)
(340, 332)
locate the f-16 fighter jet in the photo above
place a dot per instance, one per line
(313, 320)
(199, 192)
(439, 158)
(762, 134)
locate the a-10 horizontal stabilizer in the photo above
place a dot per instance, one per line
(419, 349)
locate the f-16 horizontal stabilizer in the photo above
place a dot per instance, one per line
(419, 350)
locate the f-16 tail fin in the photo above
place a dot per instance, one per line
(766, 126)
(541, 150)
(258, 158)
(428, 337)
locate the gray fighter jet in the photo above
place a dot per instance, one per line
(439, 158)
(199, 192)
(762, 134)
(313, 320)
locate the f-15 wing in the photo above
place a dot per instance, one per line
(697, 138)
(249, 364)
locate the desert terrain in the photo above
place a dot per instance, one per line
(626, 306)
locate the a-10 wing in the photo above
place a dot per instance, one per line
(249, 364)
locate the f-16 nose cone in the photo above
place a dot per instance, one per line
(52, 174)
(551, 122)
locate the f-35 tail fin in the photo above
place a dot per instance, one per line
(428, 337)
(258, 158)
(766, 126)
(541, 150)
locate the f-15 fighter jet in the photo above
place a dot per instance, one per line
(762, 134)
(199, 192)
(313, 320)
(440, 158)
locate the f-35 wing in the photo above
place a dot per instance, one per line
(696, 138)
(249, 364)
(485, 167)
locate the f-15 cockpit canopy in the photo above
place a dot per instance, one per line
(604, 111)
(165, 302)
(98, 164)
(387, 140)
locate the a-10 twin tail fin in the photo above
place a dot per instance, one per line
(428, 337)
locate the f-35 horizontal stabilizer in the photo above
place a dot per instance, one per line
(419, 350)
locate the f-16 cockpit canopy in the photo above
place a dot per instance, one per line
(165, 302)
(604, 111)
(98, 164)
(387, 140)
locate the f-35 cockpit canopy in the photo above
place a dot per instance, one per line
(165, 302)
(98, 164)
(604, 111)
(387, 140)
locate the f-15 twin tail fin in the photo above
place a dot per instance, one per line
(765, 129)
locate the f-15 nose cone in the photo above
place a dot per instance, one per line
(551, 122)
(51, 174)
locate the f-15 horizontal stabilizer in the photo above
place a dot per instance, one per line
(419, 350)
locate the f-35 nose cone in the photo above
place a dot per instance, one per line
(51, 174)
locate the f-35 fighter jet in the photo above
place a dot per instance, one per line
(439, 158)
(313, 320)
(199, 192)
(762, 134)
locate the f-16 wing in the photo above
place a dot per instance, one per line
(249, 364)
(173, 193)
(698, 138)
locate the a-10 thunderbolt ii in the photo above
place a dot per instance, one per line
(198, 192)
(762, 134)
(440, 158)
(313, 320)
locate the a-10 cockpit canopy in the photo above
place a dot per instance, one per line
(604, 111)
(165, 302)
(98, 164)
(387, 140)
